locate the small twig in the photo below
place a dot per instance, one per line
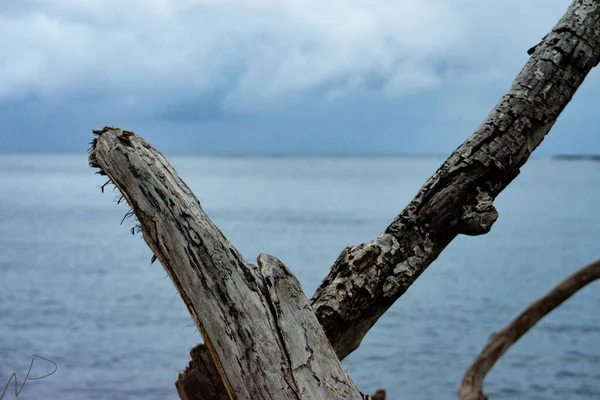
(103, 186)
(471, 387)
(127, 215)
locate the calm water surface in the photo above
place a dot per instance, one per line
(78, 288)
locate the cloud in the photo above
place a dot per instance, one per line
(257, 55)
(270, 76)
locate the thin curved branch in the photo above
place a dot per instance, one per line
(471, 387)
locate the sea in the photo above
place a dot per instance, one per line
(78, 290)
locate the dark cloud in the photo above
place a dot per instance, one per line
(266, 76)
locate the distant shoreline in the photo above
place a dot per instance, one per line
(441, 157)
(577, 157)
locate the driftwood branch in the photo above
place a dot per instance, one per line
(458, 199)
(471, 387)
(367, 279)
(258, 326)
(200, 379)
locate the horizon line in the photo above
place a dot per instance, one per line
(304, 155)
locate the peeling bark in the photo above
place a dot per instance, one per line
(258, 327)
(471, 387)
(458, 199)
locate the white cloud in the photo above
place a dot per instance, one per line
(260, 53)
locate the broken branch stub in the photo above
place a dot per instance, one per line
(201, 377)
(257, 325)
(471, 387)
(367, 279)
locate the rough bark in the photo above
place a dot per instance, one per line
(258, 327)
(458, 199)
(471, 387)
(367, 279)
(201, 380)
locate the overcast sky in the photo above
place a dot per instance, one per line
(272, 76)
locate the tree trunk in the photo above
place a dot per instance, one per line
(257, 325)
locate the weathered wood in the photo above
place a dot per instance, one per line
(310, 353)
(258, 327)
(367, 279)
(471, 387)
(201, 381)
(458, 199)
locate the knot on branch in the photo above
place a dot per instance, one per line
(478, 218)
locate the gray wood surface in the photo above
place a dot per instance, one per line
(367, 279)
(257, 325)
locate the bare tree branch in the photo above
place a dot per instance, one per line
(471, 387)
(367, 279)
(458, 199)
(258, 326)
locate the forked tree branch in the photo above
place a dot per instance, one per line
(471, 387)
(258, 326)
(367, 279)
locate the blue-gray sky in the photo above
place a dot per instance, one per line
(272, 76)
